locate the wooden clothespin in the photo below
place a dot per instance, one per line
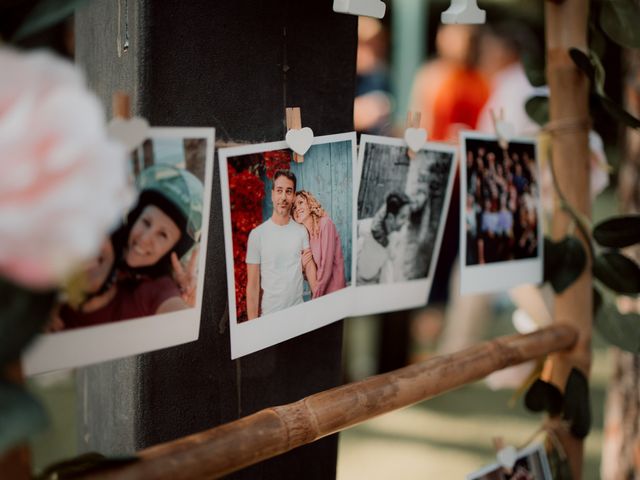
(504, 130)
(299, 139)
(131, 132)
(506, 455)
(415, 136)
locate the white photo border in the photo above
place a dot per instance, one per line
(268, 330)
(503, 275)
(89, 345)
(390, 297)
(535, 448)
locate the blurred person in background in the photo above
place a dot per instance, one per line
(372, 104)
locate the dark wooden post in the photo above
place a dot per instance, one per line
(234, 65)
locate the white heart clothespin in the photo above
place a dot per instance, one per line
(131, 132)
(464, 11)
(299, 139)
(507, 457)
(415, 136)
(366, 8)
(505, 131)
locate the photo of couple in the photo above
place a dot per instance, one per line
(298, 242)
(400, 209)
(403, 199)
(291, 226)
(143, 289)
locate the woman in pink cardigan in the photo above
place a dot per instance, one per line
(324, 242)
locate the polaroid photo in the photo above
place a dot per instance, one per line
(531, 464)
(143, 290)
(500, 223)
(402, 209)
(289, 236)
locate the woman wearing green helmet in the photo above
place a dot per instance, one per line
(159, 231)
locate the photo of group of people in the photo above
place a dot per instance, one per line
(297, 259)
(150, 264)
(531, 464)
(500, 224)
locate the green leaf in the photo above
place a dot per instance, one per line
(617, 112)
(591, 65)
(564, 262)
(534, 68)
(543, 397)
(21, 415)
(621, 330)
(46, 14)
(23, 314)
(620, 19)
(537, 108)
(577, 407)
(617, 272)
(618, 232)
(84, 464)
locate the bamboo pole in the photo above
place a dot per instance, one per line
(273, 431)
(566, 27)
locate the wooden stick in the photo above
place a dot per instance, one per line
(294, 122)
(121, 105)
(273, 431)
(566, 27)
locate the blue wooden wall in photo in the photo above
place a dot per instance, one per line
(327, 173)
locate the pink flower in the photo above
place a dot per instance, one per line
(63, 183)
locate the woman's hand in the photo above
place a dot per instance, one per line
(186, 277)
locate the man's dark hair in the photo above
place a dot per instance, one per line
(284, 173)
(395, 201)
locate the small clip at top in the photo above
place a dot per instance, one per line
(506, 455)
(464, 11)
(415, 136)
(504, 130)
(365, 8)
(299, 139)
(131, 132)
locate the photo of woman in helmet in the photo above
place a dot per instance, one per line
(139, 270)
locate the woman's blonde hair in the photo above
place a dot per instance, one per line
(315, 210)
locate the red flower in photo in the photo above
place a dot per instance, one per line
(247, 192)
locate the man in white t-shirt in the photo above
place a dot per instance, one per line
(274, 254)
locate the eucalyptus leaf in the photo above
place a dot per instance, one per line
(45, 14)
(537, 107)
(543, 397)
(84, 464)
(583, 62)
(534, 68)
(620, 19)
(617, 272)
(23, 314)
(564, 262)
(577, 405)
(21, 415)
(591, 65)
(621, 330)
(617, 112)
(618, 232)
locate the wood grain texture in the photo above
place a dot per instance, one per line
(234, 65)
(222, 450)
(566, 27)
